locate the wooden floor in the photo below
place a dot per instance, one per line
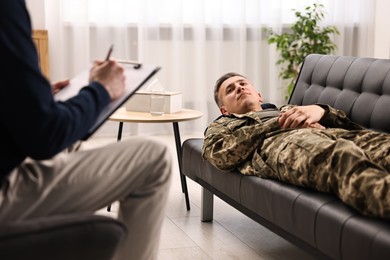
(231, 235)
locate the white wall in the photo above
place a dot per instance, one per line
(37, 13)
(382, 33)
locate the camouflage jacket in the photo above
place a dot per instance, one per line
(231, 141)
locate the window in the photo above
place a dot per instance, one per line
(192, 12)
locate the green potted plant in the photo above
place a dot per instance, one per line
(305, 36)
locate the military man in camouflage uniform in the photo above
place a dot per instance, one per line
(312, 146)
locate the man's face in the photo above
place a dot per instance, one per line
(237, 95)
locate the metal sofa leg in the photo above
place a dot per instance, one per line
(207, 206)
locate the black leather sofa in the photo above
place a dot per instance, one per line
(316, 222)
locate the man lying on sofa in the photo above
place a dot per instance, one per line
(312, 146)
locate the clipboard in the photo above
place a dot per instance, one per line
(137, 75)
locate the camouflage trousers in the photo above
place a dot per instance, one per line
(354, 165)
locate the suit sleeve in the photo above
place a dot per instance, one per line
(39, 126)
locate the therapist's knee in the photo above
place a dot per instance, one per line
(158, 157)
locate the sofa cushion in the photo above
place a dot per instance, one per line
(358, 86)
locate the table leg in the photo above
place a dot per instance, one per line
(119, 137)
(179, 156)
(120, 131)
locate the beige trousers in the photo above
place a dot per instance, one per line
(135, 172)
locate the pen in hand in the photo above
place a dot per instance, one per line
(109, 52)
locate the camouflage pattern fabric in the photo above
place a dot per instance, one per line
(344, 159)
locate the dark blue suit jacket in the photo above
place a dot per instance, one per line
(32, 124)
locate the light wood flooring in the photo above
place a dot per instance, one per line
(231, 235)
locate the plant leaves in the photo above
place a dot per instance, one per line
(305, 37)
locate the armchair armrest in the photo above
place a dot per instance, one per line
(62, 237)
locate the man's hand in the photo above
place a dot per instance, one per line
(302, 117)
(57, 86)
(316, 125)
(111, 75)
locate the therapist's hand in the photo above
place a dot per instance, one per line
(57, 86)
(111, 75)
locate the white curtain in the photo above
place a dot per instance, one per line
(194, 41)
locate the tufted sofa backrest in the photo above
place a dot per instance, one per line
(358, 86)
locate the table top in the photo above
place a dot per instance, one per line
(122, 115)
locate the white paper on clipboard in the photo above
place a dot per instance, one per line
(136, 77)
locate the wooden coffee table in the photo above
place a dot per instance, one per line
(124, 116)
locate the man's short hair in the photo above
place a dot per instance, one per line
(219, 82)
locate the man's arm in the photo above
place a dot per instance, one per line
(316, 116)
(337, 119)
(229, 142)
(300, 116)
